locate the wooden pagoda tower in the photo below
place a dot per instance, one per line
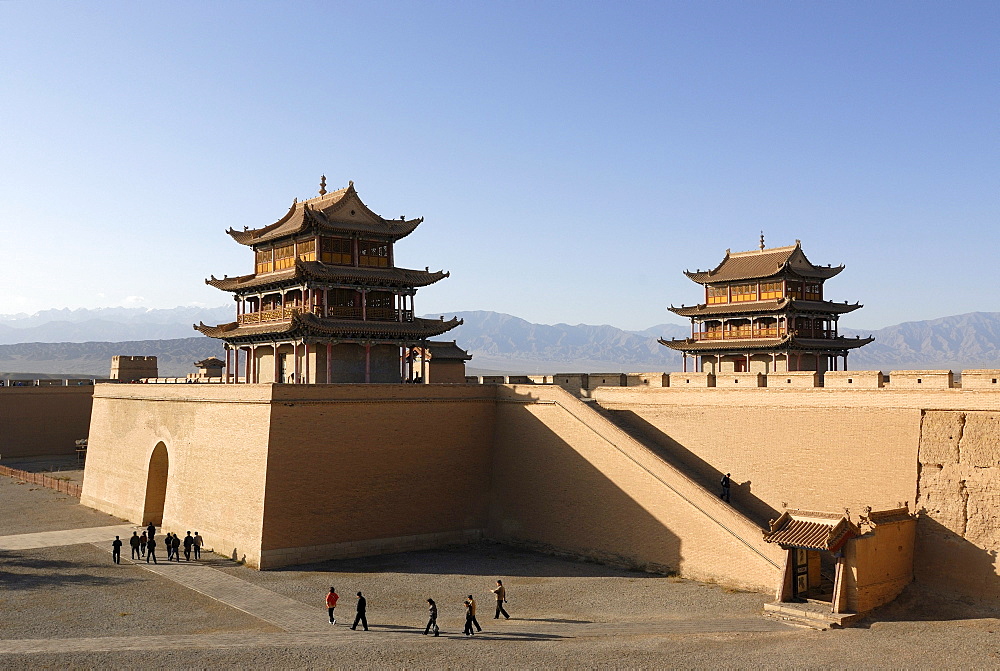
(326, 302)
(765, 311)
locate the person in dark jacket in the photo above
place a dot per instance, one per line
(468, 619)
(134, 543)
(432, 623)
(361, 616)
(143, 543)
(116, 550)
(188, 542)
(151, 550)
(501, 600)
(725, 488)
(472, 610)
(150, 530)
(175, 544)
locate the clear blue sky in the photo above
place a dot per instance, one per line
(571, 158)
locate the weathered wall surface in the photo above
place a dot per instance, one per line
(37, 421)
(358, 469)
(959, 502)
(783, 449)
(938, 449)
(567, 480)
(216, 440)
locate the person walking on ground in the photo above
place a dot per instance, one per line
(472, 611)
(725, 488)
(432, 623)
(501, 600)
(134, 542)
(116, 550)
(175, 545)
(331, 603)
(198, 542)
(188, 542)
(469, 618)
(362, 610)
(151, 550)
(143, 542)
(167, 544)
(150, 530)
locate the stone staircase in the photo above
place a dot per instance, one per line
(809, 613)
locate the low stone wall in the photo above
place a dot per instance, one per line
(48, 481)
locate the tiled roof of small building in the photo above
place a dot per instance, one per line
(307, 324)
(890, 516)
(776, 305)
(447, 350)
(811, 530)
(315, 270)
(210, 362)
(783, 343)
(337, 211)
(763, 263)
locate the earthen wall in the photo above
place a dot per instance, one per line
(566, 480)
(353, 468)
(216, 439)
(36, 421)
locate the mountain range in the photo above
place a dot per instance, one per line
(81, 342)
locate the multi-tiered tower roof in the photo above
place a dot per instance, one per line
(765, 311)
(326, 302)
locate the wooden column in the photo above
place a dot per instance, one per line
(246, 374)
(364, 305)
(295, 362)
(368, 362)
(275, 346)
(225, 377)
(329, 362)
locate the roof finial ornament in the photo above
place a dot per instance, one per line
(322, 185)
(762, 241)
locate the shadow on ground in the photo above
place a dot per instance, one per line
(485, 558)
(21, 571)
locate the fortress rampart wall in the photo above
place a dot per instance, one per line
(216, 440)
(43, 420)
(828, 449)
(362, 469)
(567, 480)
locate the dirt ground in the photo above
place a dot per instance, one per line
(564, 614)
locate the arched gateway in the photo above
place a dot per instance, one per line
(156, 486)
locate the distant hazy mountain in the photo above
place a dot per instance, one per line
(504, 342)
(108, 324)
(498, 342)
(961, 341)
(175, 358)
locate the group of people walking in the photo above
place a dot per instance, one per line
(144, 546)
(361, 616)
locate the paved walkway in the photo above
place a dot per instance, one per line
(51, 539)
(307, 625)
(281, 611)
(524, 630)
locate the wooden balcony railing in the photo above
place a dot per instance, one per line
(332, 312)
(748, 334)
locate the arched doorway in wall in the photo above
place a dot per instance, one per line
(156, 486)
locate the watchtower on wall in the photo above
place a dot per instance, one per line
(765, 312)
(326, 302)
(133, 368)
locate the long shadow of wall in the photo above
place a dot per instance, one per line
(692, 465)
(548, 497)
